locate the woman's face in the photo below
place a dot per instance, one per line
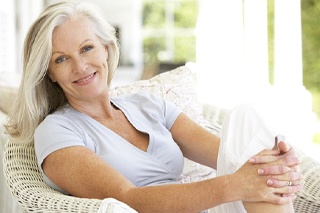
(79, 61)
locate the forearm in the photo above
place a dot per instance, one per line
(195, 142)
(191, 197)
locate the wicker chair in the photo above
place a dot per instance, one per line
(34, 195)
(308, 200)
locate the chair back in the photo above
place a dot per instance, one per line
(26, 183)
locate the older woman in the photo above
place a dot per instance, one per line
(131, 148)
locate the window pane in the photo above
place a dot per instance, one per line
(185, 49)
(153, 14)
(186, 13)
(151, 47)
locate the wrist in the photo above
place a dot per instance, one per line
(231, 190)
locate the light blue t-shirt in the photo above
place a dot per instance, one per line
(163, 161)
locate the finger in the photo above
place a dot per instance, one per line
(264, 159)
(267, 152)
(288, 160)
(289, 195)
(284, 147)
(296, 168)
(292, 156)
(274, 170)
(283, 183)
(281, 199)
(277, 140)
(274, 161)
(287, 190)
(287, 171)
(265, 156)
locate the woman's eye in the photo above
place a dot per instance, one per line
(60, 59)
(86, 49)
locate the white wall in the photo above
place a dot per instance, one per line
(7, 41)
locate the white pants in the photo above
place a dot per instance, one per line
(244, 134)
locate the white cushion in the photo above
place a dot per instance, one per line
(177, 86)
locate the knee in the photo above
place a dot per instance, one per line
(246, 113)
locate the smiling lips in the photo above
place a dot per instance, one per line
(86, 78)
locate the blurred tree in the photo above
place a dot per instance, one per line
(169, 31)
(271, 39)
(185, 49)
(310, 15)
(310, 20)
(153, 14)
(186, 14)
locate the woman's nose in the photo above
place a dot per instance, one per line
(80, 65)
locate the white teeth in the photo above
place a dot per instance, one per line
(85, 79)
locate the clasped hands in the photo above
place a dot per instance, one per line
(281, 168)
(272, 175)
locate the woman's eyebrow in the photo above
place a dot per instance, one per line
(61, 52)
(84, 42)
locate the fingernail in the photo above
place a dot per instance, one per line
(260, 171)
(269, 182)
(252, 160)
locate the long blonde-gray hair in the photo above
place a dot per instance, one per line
(38, 96)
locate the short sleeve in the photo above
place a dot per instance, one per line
(152, 107)
(54, 133)
(171, 113)
(169, 110)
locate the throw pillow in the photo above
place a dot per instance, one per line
(177, 86)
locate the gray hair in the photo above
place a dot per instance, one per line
(38, 96)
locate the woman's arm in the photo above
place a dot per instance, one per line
(82, 173)
(195, 142)
(202, 146)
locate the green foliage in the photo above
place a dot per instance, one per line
(151, 47)
(310, 15)
(316, 138)
(153, 14)
(185, 48)
(316, 102)
(271, 39)
(185, 14)
(310, 18)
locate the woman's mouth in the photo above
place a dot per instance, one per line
(84, 79)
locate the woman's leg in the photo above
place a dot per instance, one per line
(267, 207)
(244, 134)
